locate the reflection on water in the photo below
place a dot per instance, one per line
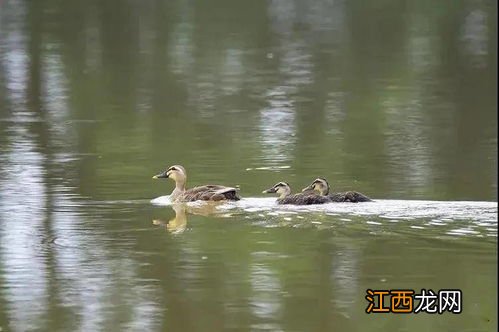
(393, 99)
(436, 219)
(176, 225)
(475, 36)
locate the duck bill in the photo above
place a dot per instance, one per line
(307, 188)
(269, 191)
(163, 175)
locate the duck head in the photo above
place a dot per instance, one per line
(176, 172)
(281, 188)
(320, 185)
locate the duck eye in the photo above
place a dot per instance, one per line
(172, 169)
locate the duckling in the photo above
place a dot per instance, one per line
(322, 186)
(203, 193)
(285, 196)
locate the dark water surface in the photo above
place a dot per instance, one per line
(396, 99)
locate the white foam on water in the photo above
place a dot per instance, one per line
(373, 223)
(267, 168)
(394, 210)
(161, 200)
(441, 212)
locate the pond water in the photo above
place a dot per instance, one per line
(395, 99)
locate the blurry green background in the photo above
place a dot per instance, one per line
(396, 99)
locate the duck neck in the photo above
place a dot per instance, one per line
(325, 191)
(285, 193)
(179, 189)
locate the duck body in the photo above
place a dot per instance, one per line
(306, 198)
(201, 193)
(349, 196)
(208, 193)
(321, 186)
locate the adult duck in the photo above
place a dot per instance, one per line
(204, 193)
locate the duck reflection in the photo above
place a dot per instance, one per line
(178, 224)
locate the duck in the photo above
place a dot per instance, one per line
(321, 186)
(202, 193)
(285, 196)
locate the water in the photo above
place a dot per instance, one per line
(393, 99)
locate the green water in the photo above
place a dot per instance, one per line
(396, 99)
